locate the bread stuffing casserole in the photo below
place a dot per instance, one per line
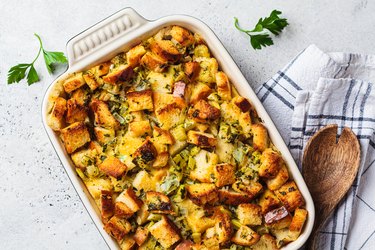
(172, 155)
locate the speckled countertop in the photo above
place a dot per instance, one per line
(39, 208)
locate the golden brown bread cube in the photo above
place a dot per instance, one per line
(249, 214)
(161, 160)
(158, 203)
(90, 80)
(141, 235)
(223, 228)
(106, 205)
(101, 69)
(223, 86)
(140, 100)
(281, 177)
(224, 174)
(162, 136)
(252, 188)
(165, 49)
(104, 135)
(56, 117)
(140, 128)
(191, 70)
(202, 193)
(147, 152)
(103, 116)
(295, 227)
(200, 91)
(121, 210)
(242, 103)
(182, 36)
(271, 163)
(120, 74)
(130, 199)
(75, 112)
(268, 201)
(128, 243)
(112, 166)
(165, 232)
(118, 228)
(154, 62)
(84, 158)
(75, 136)
(202, 111)
(260, 136)
(169, 109)
(134, 55)
(200, 139)
(290, 196)
(74, 82)
(266, 242)
(230, 197)
(280, 224)
(245, 236)
(209, 68)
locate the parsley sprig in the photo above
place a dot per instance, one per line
(51, 58)
(259, 36)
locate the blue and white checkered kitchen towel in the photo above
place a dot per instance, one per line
(316, 89)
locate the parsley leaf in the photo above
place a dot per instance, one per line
(18, 72)
(259, 37)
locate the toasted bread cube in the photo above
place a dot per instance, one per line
(75, 136)
(161, 160)
(245, 236)
(120, 74)
(182, 36)
(200, 91)
(209, 68)
(290, 196)
(223, 229)
(128, 243)
(122, 210)
(202, 140)
(90, 80)
(245, 122)
(271, 163)
(113, 166)
(295, 227)
(281, 224)
(142, 215)
(80, 96)
(224, 150)
(233, 198)
(191, 70)
(104, 135)
(140, 100)
(143, 181)
(154, 62)
(185, 245)
(165, 232)
(169, 110)
(103, 116)
(260, 137)
(230, 113)
(268, 201)
(134, 55)
(84, 158)
(146, 152)
(75, 112)
(158, 203)
(205, 163)
(161, 82)
(279, 180)
(56, 117)
(224, 174)
(252, 188)
(201, 51)
(74, 82)
(106, 205)
(223, 86)
(141, 235)
(118, 228)
(242, 103)
(130, 199)
(266, 242)
(162, 136)
(202, 111)
(140, 128)
(165, 49)
(202, 193)
(101, 69)
(249, 214)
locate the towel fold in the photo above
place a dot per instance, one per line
(316, 89)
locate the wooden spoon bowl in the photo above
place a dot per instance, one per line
(329, 167)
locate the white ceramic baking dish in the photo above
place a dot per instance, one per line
(120, 32)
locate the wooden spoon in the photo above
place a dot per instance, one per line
(329, 168)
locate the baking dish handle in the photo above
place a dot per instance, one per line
(95, 38)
